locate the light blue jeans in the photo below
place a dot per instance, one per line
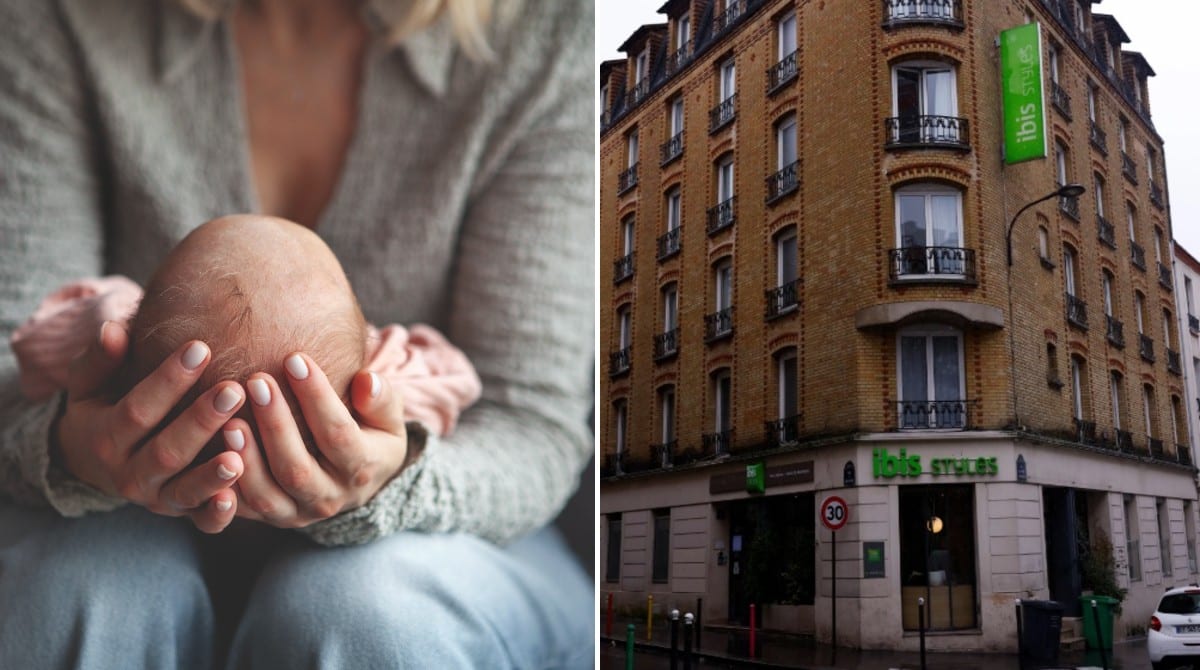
(125, 590)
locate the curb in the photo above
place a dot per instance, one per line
(724, 658)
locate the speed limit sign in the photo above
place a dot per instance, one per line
(834, 512)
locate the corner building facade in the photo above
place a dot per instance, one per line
(805, 292)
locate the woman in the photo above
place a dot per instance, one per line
(447, 160)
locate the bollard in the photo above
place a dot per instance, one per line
(921, 614)
(629, 647)
(687, 641)
(674, 638)
(1099, 636)
(649, 617)
(608, 621)
(1020, 639)
(699, 619)
(752, 640)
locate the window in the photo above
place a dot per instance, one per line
(1158, 245)
(662, 546)
(785, 142)
(1114, 381)
(632, 148)
(1106, 280)
(931, 378)
(612, 569)
(723, 281)
(783, 298)
(1137, 312)
(1122, 131)
(727, 80)
(666, 412)
(1178, 424)
(921, 90)
(929, 216)
(620, 424)
(1069, 270)
(1131, 218)
(1052, 377)
(786, 34)
(1164, 535)
(624, 326)
(722, 401)
(786, 430)
(725, 178)
(670, 304)
(1043, 243)
(1151, 158)
(1081, 22)
(683, 31)
(676, 116)
(1166, 322)
(1054, 54)
(1099, 182)
(1132, 553)
(641, 66)
(1091, 100)
(1148, 410)
(673, 209)
(1079, 388)
(1187, 292)
(627, 235)
(1060, 162)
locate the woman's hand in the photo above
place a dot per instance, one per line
(292, 488)
(114, 447)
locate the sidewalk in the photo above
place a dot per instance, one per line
(787, 651)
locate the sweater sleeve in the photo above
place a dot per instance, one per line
(50, 229)
(523, 311)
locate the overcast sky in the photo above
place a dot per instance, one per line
(1163, 30)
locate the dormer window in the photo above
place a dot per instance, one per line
(683, 31)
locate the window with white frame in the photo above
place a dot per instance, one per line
(785, 142)
(632, 148)
(931, 377)
(1131, 218)
(786, 36)
(929, 230)
(1078, 380)
(1187, 292)
(627, 235)
(787, 268)
(620, 425)
(666, 413)
(674, 208)
(723, 282)
(1150, 160)
(1106, 280)
(676, 116)
(1114, 381)
(1043, 237)
(683, 31)
(1158, 245)
(1137, 312)
(722, 401)
(1122, 131)
(1060, 162)
(1166, 324)
(1069, 270)
(922, 90)
(1099, 185)
(787, 372)
(670, 307)
(624, 327)
(641, 66)
(727, 80)
(724, 178)
(1091, 100)
(1054, 53)
(1148, 409)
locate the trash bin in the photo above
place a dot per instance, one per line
(1102, 613)
(1041, 627)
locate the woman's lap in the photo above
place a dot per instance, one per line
(124, 589)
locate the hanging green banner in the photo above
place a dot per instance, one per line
(1024, 104)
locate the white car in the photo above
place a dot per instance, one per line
(1174, 635)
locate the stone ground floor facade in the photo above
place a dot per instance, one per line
(968, 520)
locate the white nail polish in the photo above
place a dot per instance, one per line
(260, 392)
(224, 505)
(235, 439)
(225, 473)
(194, 355)
(296, 366)
(376, 387)
(226, 399)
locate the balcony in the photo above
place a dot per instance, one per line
(671, 149)
(1156, 196)
(1156, 447)
(618, 362)
(917, 263)
(783, 182)
(783, 431)
(1069, 205)
(1125, 441)
(722, 216)
(635, 94)
(1194, 324)
(1128, 168)
(718, 325)
(1098, 138)
(931, 132)
(1107, 234)
(783, 299)
(1174, 363)
(722, 114)
(669, 244)
(782, 73)
(726, 19)
(666, 344)
(897, 13)
(623, 268)
(1115, 332)
(678, 59)
(1085, 431)
(1137, 255)
(627, 179)
(1060, 100)
(1164, 276)
(1146, 348)
(664, 454)
(930, 414)
(1076, 312)
(717, 443)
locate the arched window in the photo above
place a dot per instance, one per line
(786, 428)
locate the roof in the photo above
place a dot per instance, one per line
(1112, 28)
(641, 34)
(1139, 61)
(1187, 257)
(674, 8)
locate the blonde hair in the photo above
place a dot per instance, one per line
(468, 19)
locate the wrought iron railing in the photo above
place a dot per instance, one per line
(1098, 137)
(671, 149)
(781, 73)
(1137, 255)
(1194, 323)
(1174, 362)
(664, 454)
(666, 344)
(1115, 332)
(726, 19)
(717, 443)
(618, 361)
(1146, 347)
(1085, 431)
(783, 431)
(927, 131)
(917, 414)
(1060, 99)
(1107, 233)
(1076, 312)
(669, 243)
(722, 216)
(1069, 205)
(1156, 195)
(718, 325)
(1164, 275)
(1128, 168)
(627, 179)
(907, 12)
(623, 268)
(635, 94)
(722, 114)
(1125, 441)
(944, 262)
(1156, 447)
(783, 182)
(678, 58)
(783, 299)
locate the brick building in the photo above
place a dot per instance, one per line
(805, 291)
(1187, 278)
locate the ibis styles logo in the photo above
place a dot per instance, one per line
(884, 465)
(1024, 106)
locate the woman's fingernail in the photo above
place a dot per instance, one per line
(226, 400)
(235, 439)
(259, 391)
(224, 505)
(376, 386)
(225, 473)
(296, 366)
(194, 355)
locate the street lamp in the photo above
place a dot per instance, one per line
(1064, 191)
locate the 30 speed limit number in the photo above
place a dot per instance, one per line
(834, 512)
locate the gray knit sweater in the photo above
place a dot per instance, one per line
(465, 202)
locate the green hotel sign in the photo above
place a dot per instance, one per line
(1024, 104)
(884, 465)
(756, 477)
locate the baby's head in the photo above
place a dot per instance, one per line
(254, 289)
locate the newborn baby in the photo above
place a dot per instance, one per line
(255, 289)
